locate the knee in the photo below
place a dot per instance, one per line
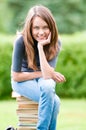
(48, 87)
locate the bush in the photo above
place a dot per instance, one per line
(5, 65)
(72, 63)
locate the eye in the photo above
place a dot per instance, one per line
(36, 27)
(45, 27)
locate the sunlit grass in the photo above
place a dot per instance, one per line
(72, 114)
(8, 114)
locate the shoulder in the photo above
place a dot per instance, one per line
(19, 44)
(19, 41)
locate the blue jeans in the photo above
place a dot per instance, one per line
(43, 92)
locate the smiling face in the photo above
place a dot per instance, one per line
(40, 29)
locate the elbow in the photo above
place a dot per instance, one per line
(15, 76)
(15, 79)
(46, 76)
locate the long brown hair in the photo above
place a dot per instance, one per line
(50, 49)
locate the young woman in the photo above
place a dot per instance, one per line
(34, 58)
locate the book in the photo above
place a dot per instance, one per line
(27, 112)
(26, 128)
(27, 105)
(31, 120)
(19, 99)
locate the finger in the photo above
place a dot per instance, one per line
(58, 79)
(60, 76)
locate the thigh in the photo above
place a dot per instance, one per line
(46, 83)
(29, 89)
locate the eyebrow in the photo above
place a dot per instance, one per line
(38, 26)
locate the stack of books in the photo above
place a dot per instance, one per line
(27, 112)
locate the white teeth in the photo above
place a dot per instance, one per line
(41, 37)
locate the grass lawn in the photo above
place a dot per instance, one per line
(72, 114)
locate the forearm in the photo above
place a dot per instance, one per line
(46, 69)
(23, 76)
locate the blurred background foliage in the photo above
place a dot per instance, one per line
(72, 62)
(70, 16)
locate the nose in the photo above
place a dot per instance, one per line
(41, 31)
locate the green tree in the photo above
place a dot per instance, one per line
(69, 14)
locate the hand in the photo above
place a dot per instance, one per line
(58, 77)
(45, 42)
